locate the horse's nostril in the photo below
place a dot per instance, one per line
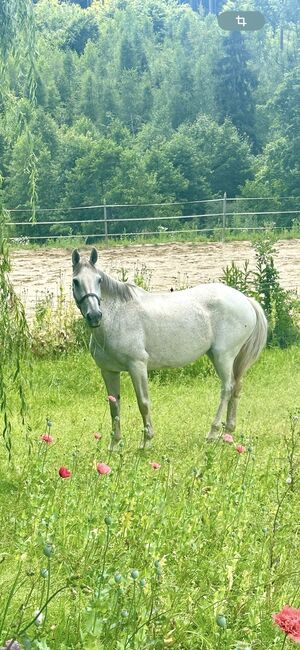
(93, 317)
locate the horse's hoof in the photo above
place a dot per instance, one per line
(146, 444)
(114, 445)
(213, 437)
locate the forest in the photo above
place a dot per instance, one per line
(136, 102)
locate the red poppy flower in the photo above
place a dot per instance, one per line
(64, 472)
(155, 465)
(240, 449)
(288, 620)
(228, 438)
(97, 435)
(103, 469)
(47, 438)
(111, 398)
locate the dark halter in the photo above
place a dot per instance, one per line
(87, 295)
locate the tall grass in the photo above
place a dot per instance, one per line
(195, 554)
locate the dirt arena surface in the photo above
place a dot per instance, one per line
(38, 272)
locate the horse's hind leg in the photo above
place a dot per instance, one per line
(223, 364)
(112, 383)
(139, 376)
(232, 406)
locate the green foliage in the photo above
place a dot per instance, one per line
(56, 327)
(281, 307)
(234, 92)
(146, 102)
(208, 516)
(14, 348)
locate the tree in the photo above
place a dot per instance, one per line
(236, 85)
(16, 32)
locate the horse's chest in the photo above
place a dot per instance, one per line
(105, 358)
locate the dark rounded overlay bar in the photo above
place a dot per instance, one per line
(237, 21)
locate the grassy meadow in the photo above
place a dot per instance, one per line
(196, 554)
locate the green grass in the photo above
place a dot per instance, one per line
(211, 532)
(231, 234)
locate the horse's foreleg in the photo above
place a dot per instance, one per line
(112, 383)
(139, 377)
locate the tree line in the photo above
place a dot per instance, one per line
(149, 101)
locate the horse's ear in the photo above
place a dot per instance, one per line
(93, 256)
(75, 257)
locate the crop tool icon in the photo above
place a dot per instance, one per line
(241, 21)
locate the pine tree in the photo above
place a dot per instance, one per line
(236, 83)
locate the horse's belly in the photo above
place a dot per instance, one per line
(178, 348)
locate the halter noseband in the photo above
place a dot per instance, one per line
(87, 295)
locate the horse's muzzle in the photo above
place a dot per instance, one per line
(94, 318)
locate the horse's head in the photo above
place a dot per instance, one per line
(86, 287)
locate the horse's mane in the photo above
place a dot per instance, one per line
(117, 289)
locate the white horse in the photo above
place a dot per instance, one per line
(136, 331)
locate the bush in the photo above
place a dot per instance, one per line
(281, 307)
(57, 328)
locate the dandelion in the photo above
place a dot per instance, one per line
(228, 438)
(103, 469)
(288, 620)
(47, 438)
(240, 449)
(64, 472)
(97, 435)
(112, 399)
(155, 465)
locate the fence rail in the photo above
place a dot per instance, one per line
(221, 224)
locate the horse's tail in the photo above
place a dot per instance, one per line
(251, 350)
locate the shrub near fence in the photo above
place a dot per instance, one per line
(282, 307)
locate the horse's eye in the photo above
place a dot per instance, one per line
(99, 279)
(75, 283)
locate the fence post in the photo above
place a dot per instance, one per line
(105, 220)
(224, 217)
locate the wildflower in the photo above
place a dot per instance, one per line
(118, 578)
(111, 398)
(228, 437)
(288, 620)
(47, 438)
(155, 465)
(221, 621)
(108, 520)
(103, 469)
(97, 435)
(64, 472)
(44, 573)
(240, 449)
(12, 645)
(48, 550)
(289, 480)
(134, 574)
